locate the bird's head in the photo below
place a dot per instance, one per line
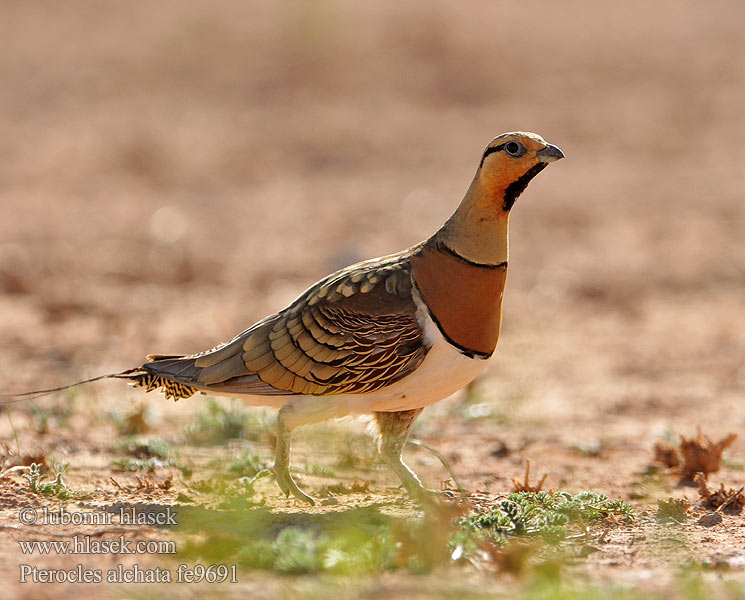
(509, 162)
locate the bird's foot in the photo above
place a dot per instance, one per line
(288, 486)
(444, 494)
(425, 494)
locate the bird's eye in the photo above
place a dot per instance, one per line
(514, 149)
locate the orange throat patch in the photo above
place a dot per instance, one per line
(463, 298)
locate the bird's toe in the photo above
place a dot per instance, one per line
(288, 486)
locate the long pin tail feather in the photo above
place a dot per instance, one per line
(12, 398)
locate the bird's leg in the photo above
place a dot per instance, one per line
(302, 411)
(282, 462)
(394, 429)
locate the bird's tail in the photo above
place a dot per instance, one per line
(137, 377)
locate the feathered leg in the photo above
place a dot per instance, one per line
(394, 429)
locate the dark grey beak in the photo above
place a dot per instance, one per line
(549, 154)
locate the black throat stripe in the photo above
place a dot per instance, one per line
(444, 248)
(518, 187)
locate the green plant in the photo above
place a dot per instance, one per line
(41, 418)
(360, 541)
(228, 493)
(144, 464)
(673, 509)
(353, 450)
(549, 588)
(246, 464)
(322, 470)
(364, 541)
(217, 424)
(56, 488)
(154, 447)
(735, 465)
(551, 516)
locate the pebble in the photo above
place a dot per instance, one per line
(710, 519)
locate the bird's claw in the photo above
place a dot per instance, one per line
(288, 486)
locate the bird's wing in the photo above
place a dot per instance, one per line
(355, 331)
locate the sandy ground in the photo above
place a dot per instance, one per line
(170, 174)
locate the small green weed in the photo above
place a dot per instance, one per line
(552, 516)
(593, 448)
(322, 470)
(146, 455)
(735, 465)
(246, 464)
(145, 464)
(227, 494)
(231, 482)
(355, 451)
(217, 424)
(650, 484)
(56, 488)
(42, 417)
(673, 509)
(155, 447)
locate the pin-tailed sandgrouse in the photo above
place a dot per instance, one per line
(388, 336)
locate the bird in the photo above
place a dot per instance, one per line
(387, 336)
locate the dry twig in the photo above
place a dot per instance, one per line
(518, 486)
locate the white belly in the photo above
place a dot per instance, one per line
(443, 372)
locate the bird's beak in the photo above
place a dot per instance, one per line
(549, 154)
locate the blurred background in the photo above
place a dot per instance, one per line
(170, 172)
